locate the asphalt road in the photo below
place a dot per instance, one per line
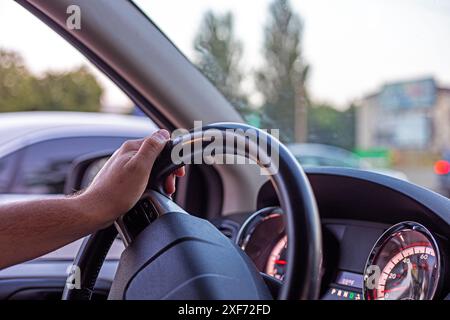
(423, 176)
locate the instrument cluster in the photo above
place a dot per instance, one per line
(404, 264)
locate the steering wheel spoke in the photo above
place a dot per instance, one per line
(152, 205)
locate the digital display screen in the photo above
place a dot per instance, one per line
(347, 286)
(350, 279)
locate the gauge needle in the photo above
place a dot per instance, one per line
(283, 262)
(395, 289)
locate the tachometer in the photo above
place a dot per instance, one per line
(403, 265)
(260, 238)
(276, 264)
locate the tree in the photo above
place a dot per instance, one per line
(76, 90)
(20, 90)
(330, 126)
(218, 57)
(16, 82)
(281, 79)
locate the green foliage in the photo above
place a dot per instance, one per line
(20, 90)
(77, 90)
(330, 126)
(282, 77)
(218, 56)
(16, 82)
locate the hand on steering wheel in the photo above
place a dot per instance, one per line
(177, 256)
(123, 179)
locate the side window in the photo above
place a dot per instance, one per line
(7, 169)
(46, 164)
(44, 82)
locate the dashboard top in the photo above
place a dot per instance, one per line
(344, 193)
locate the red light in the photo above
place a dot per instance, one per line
(442, 167)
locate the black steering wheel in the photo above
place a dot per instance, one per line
(172, 255)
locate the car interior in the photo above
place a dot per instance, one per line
(229, 232)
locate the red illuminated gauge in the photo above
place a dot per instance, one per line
(260, 234)
(276, 264)
(403, 265)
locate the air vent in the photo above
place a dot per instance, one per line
(228, 228)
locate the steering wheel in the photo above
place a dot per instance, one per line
(170, 254)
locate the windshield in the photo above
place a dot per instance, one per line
(370, 77)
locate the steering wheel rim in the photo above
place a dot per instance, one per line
(304, 253)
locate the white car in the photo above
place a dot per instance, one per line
(37, 148)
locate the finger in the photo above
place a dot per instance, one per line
(151, 147)
(180, 172)
(169, 185)
(131, 145)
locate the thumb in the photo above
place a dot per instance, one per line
(152, 146)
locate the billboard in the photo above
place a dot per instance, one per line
(409, 94)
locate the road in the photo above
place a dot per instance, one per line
(423, 176)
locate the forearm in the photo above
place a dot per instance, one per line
(33, 228)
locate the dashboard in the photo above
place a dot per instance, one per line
(383, 239)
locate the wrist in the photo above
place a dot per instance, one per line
(92, 210)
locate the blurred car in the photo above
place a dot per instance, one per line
(442, 169)
(37, 148)
(322, 155)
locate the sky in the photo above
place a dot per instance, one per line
(352, 46)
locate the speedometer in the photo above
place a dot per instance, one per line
(404, 265)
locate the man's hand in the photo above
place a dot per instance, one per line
(122, 180)
(30, 229)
